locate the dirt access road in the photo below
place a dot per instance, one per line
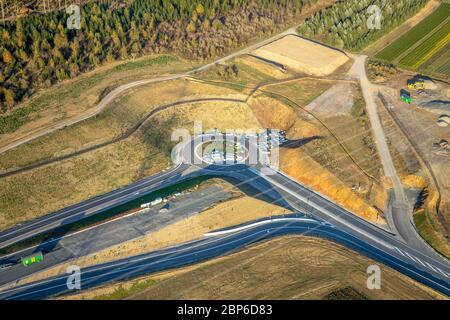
(399, 216)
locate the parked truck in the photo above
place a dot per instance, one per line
(31, 259)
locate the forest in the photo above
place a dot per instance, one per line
(38, 50)
(345, 26)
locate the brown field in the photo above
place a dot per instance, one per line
(302, 55)
(121, 115)
(291, 267)
(262, 66)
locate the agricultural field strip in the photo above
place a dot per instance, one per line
(392, 51)
(432, 45)
(416, 45)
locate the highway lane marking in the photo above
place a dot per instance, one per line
(80, 206)
(249, 226)
(331, 215)
(333, 205)
(400, 251)
(136, 259)
(388, 257)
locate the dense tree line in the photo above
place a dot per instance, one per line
(39, 50)
(345, 23)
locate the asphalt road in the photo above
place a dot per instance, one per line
(211, 247)
(400, 211)
(91, 207)
(430, 268)
(112, 232)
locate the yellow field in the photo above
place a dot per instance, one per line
(303, 55)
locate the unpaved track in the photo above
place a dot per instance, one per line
(124, 88)
(400, 216)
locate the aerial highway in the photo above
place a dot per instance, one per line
(213, 246)
(384, 245)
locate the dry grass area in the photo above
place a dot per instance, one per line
(32, 194)
(302, 55)
(224, 214)
(291, 267)
(220, 115)
(262, 66)
(317, 160)
(304, 169)
(73, 97)
(121, 115)
(46, 189)
(302, 91)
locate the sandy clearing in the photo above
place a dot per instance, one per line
(303, 55)
(338, 100)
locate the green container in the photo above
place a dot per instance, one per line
(34, 258)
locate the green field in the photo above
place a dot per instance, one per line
(391, 52)
(439, 64)
(427, 49)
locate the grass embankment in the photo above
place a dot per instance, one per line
(317, 159)
(121, 116)
(49, 188)
(291, 267)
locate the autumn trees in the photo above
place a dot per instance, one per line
(39, 50)
(347, 24)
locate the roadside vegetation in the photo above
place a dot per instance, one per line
(344, 24)
(31, 194)
(425, 47)
(73, 97)
(117, 121)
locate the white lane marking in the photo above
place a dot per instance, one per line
(259, 223)
(400, 251)
(442, 272)
(331, 215)
(79, 206)
(431, 266)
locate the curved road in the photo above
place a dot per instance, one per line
(423, 265)
(211, 247)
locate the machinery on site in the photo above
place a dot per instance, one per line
(415, 83)
(405, 96)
